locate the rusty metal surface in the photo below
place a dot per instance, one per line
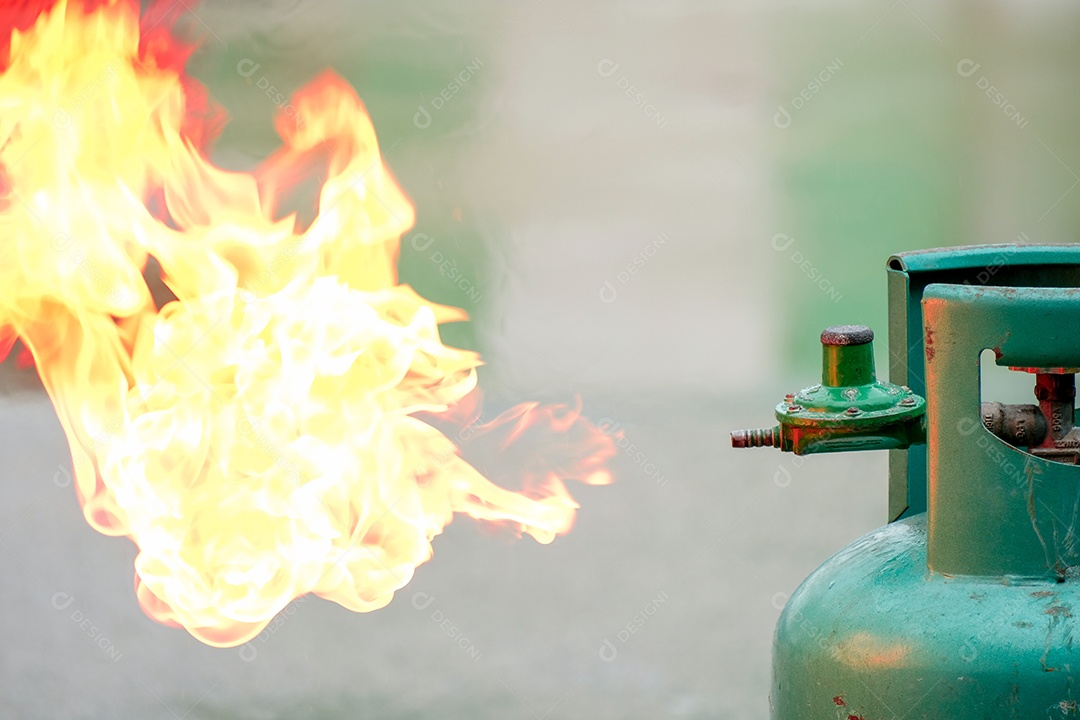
(847, 335)
(1046, 430)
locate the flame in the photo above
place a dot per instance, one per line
(271, 432)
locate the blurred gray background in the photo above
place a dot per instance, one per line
(656, 206)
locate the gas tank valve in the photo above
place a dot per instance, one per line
(1046, 430)
(850, 409)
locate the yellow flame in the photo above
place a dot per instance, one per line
(256, 437)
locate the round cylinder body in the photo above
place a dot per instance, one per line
(873, 634)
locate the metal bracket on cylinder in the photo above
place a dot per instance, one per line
(1001, 506)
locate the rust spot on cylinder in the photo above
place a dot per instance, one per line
(839, 701)
(1058, 611)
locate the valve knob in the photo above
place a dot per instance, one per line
(847, 335)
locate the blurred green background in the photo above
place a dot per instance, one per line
(655, 206)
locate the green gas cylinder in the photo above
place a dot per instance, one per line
(965, 605)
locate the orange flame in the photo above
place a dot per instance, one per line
(258, 437)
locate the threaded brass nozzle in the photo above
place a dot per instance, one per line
(762, 437)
